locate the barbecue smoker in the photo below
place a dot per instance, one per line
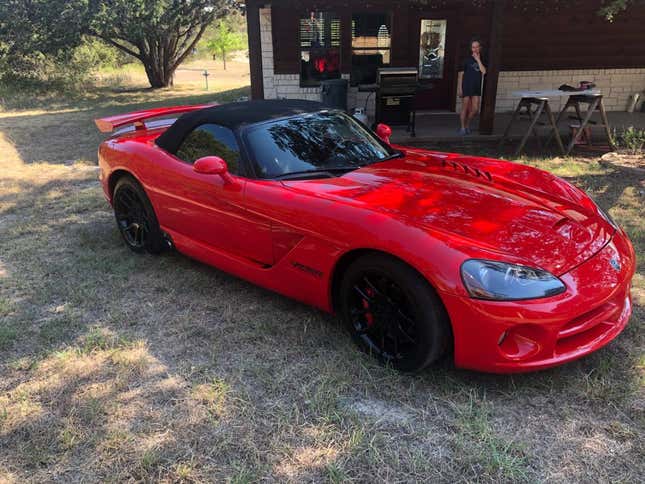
(396, 90)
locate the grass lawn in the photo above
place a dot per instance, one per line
(122, 367)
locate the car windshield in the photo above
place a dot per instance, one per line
(324, 143)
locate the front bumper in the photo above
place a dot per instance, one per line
(520, 336)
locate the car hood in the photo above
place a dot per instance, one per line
(509, 210)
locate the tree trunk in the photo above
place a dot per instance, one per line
(224, 58)
(158, 71)
(160, 58)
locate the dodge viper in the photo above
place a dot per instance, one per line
(423, 255)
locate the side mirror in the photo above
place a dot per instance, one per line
(384, 132)
(213, 165)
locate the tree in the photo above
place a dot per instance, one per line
(225, 40)
(613, 8)
(159, 33)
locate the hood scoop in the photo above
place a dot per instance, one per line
(467, 170)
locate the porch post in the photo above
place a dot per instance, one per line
(487, 115)
(255, 49)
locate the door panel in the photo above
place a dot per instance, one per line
(435, 44)
(207, 210)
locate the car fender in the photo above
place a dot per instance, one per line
(116, 159)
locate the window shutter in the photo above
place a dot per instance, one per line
(313, 30)
(286, 50)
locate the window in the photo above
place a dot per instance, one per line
(326, 142)
(319, 48)
(432, 48)
(211, 140)
(371, 42)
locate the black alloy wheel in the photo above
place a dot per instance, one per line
(393, 314)
(135, 217)
(380, 313)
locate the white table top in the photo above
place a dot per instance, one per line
(555, 93)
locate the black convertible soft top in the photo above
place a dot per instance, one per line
(233, 115)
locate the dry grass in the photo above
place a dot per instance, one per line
(189, 74)
(120, 367)
(129, 85)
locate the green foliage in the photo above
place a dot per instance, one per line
(57, 71)
(159, 33)
(633, 139)
(237, 25)
(46, 26)
(97, 54)
(225, 40)
(201, 143)
(611, 8)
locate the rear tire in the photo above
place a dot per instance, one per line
(393, 313)
(135, 217)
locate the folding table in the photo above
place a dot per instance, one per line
(593, 100)
(592, 97)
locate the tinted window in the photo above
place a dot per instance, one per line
(371, 42)
(319, 47)
(318, 141)
(211, 140)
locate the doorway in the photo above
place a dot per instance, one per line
(436, 62)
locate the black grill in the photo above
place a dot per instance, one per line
(396, 91)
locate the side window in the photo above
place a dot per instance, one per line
(211, 140)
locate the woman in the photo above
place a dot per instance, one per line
(471, 86)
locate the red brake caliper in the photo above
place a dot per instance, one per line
(366, 305)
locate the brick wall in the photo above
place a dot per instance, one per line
(279, 85)
(288, 85)
(616, 84)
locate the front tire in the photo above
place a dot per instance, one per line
(393, 313)
(135, 217)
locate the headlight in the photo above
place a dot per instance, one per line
(499, 281)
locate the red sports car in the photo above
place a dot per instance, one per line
(422, 254)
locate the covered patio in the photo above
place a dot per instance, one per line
(536, 45)
(433, 127)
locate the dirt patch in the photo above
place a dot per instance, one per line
(635, 162)
(380, 411)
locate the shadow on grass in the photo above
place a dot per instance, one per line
(290, 370)
(106, 408)
(108, 96)
(70, 135)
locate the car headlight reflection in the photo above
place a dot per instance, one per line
(501, 281)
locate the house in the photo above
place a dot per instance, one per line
(294, 44)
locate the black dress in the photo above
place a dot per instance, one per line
(471, 83)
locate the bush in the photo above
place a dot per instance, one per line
(65, 71)
(94, 54)
(633, 140)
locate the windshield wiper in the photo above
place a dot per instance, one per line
(397, 154)
(330, 171)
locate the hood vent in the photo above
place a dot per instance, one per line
(468, 170)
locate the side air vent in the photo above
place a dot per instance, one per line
(468, 170)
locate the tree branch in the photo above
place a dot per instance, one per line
(189, 49)
(125, 49)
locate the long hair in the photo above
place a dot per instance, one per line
(470, 46)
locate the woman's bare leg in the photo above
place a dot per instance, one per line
(465, 109)
(474, 109)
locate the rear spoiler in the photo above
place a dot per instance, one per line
(109, 124)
